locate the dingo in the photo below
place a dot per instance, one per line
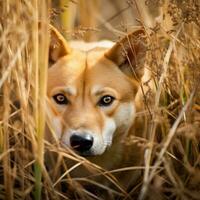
(91, 93)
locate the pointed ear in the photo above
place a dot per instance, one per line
(58, 46)
(129, 54)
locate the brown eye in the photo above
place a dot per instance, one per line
(106, 100)
(60, 99)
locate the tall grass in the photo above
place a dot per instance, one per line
(33, 168)
(24, 63)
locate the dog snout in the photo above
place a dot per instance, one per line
(81, 143)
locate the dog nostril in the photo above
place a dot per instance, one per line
(81, 143)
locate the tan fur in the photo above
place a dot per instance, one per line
(84, 77)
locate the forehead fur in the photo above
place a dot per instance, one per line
(91, 68)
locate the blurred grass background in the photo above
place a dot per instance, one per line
(171, 118)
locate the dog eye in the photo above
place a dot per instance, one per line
(106, 100)
(60, 99)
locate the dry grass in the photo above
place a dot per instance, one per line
(171, 136)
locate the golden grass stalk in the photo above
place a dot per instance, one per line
(41, 55)
(68, 12)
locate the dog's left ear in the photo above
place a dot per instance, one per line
(129, 54)
(58, 46)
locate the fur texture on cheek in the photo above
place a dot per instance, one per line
(121, 122)
(55, 123)
(57, 127)
(124, 117)
(108, 131)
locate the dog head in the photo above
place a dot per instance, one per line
(91, 94)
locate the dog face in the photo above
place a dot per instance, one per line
(91, 94)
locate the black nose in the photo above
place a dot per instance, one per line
(81, 143)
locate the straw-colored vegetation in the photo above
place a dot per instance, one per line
(32, 168)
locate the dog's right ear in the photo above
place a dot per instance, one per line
(58, 46)
(129, 53)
